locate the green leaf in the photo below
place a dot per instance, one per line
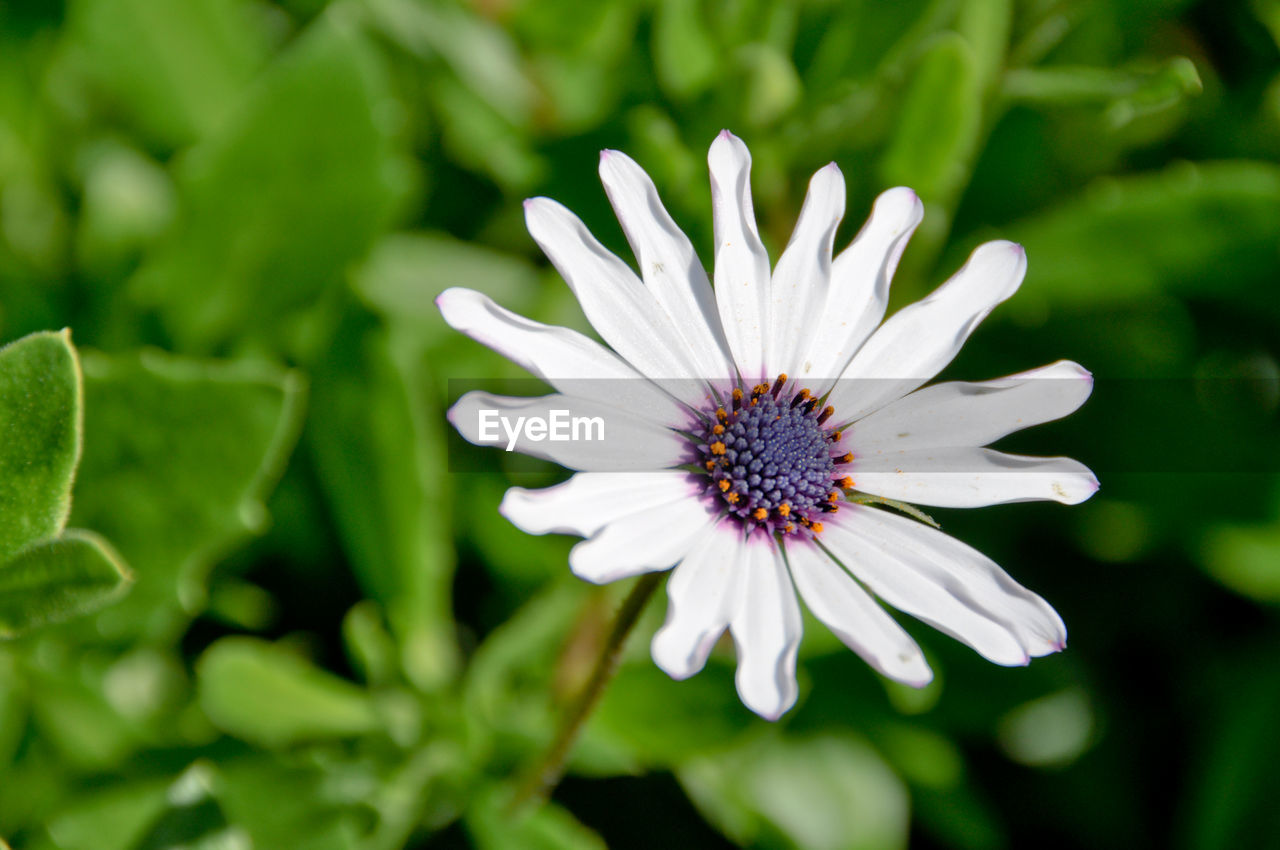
(938, 129)
(1245, 559)
(479, 138)
(192, 817)
(546, 827)
(112, 818)
(58, 579)
(770, 84)
(699, 715)
(369, 645)
(176, 68)
(985, 25)
(506, 689)
(406, 271)
(40, 414)
(179, 456)
(828, 791)
(686, 59)
(291, 189)
(1190, 229)
(14, 692)
(1127, 93)
(269, 696)
(481, 53)
(380, 454)
(1230, 802)
(128, 202)
(1051, 731)
(301, 806)
(74, 716)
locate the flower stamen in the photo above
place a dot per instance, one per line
(768, 460)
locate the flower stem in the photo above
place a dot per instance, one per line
(544, 775)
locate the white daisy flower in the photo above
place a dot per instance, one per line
(750, 427)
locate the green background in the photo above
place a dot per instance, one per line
(243, 210)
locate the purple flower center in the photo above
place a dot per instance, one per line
(767, 459)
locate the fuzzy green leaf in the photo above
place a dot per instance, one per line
(58, 579)
(40, 411)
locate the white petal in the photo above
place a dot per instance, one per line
(669, 265)
(589, 501)
(945, 583)
(766, 628)
(742, 265)
(859, 290)
(574, 364)
(967, 477)
(701, 595)
(798, 290)
(614, 300)
(920, 339)
(959, 413)
(841, 603)
(655, 539)
(618, 440)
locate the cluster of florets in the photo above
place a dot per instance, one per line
(768, 459)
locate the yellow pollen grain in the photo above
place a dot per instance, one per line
(717, 448)
(731, 498)
(724, 485)
(816, 528)
(717, 430)
(760, 513)
(784, 509)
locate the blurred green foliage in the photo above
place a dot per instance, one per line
(244, 210)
